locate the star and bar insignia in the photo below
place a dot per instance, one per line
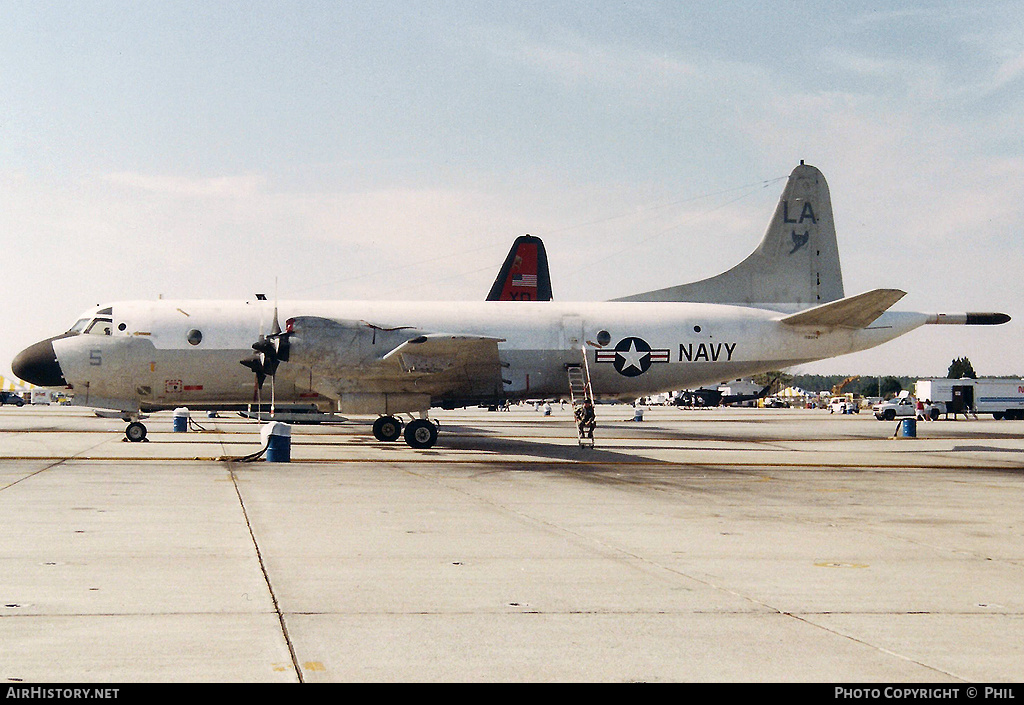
(631, 356)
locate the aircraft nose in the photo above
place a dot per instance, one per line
(37, 364)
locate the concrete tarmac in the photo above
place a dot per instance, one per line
(749, 545)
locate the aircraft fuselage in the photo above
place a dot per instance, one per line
(164, 354)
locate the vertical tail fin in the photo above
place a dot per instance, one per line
(524, 276)
(796, 266)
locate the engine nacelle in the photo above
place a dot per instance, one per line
(326, 343)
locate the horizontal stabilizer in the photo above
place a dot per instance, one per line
(858, 311)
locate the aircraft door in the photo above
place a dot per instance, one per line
(134, 324)
(571, 337)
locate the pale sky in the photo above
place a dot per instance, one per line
(361, 150)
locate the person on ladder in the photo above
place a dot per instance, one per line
(586, 420)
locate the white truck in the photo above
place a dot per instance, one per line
(906, 407)
(843, 405)
(1001, 397)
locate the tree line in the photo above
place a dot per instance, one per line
(865, 386)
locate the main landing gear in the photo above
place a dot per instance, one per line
(136, 432)
(387, 428)
(419, 433)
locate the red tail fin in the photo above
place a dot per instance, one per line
(524, 276)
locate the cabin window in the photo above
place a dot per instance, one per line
(194, 337)
(603, 338)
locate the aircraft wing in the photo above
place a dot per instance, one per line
(858, 311)
(447, 363)
(339, 357)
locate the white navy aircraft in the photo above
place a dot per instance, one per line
(783, 305)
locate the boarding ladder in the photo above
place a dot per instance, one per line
(580, 391)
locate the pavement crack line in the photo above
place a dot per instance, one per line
(266, 575)
(49, 467)
(31, 475)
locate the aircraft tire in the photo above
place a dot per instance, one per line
(387, 428)
(135, 432)
(420, 434)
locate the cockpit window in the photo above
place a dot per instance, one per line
(91, 326)
(100, 326)
(79, 326)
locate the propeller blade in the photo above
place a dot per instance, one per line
(283, 348)
(276, 329)
(255, 363)
(264, 346)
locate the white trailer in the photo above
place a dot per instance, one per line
(1003, 398)
(42, 396)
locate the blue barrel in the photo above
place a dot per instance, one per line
(277, 437)
(181, 420)
(908, 428)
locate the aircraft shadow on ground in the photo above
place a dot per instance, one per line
(469, 438)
